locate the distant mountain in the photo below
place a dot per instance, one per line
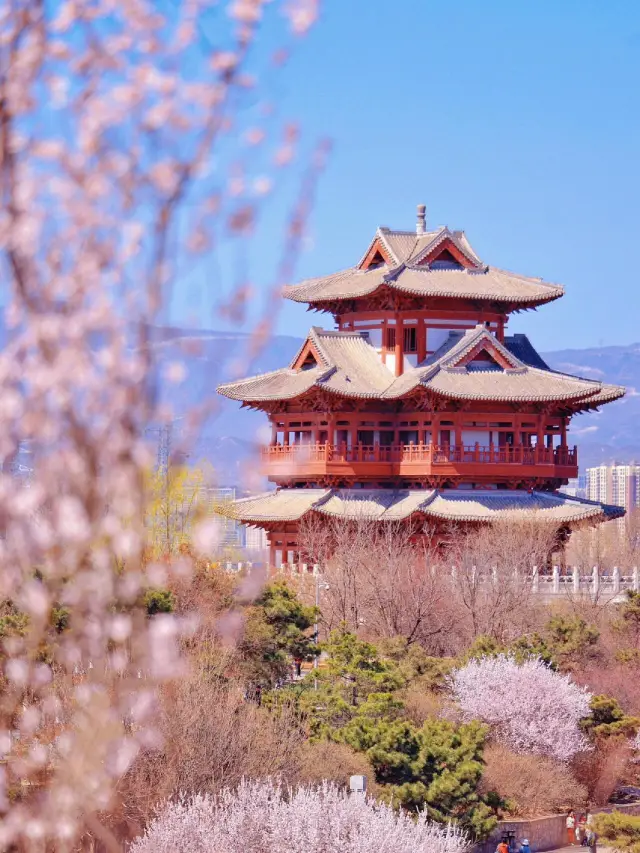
(612, 433)
(230, 436)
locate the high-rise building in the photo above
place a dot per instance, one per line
(255, 540)
(419, 408)
(615, 484)
(230, 533)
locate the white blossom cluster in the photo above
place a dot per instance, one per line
(529, 707)
(262, 817)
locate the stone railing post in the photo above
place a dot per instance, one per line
(576, 580)
(595, 580)
(535, 580)
(305, 568)
(636, 579)
(556, 580)
(616, 579)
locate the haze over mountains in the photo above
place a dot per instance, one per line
(230, 435)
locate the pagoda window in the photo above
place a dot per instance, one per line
(343, 437)
(476, 436)
(365, 436)
(387, 437)
(390, 342)
(409, 436)
(410, 339)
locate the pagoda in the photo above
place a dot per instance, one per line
(418, 407)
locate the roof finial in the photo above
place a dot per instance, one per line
(421, 225)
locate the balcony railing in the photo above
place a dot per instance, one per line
(418, 458)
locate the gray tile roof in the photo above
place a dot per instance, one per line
(406, 275)
(350, 367)
(454, 505)
(519, 382)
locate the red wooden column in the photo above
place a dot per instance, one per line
(399, 344)
(457, 421)
(274, 432)
(331, 428)
(435, 429)
(563, 433)
(539, 436)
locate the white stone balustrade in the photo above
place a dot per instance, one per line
(596, 582)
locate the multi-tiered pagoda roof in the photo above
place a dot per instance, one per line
(401, 262)
(346, 365)
(419, 407)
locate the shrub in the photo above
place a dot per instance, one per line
(260, 818)
(159, 601)
(324, 760)
(529, 707)
(607, 719)
(529, 784)
(600, 770)
(619, 830)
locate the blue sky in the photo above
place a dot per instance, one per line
(516, 121)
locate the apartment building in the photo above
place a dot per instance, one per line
(614, 484)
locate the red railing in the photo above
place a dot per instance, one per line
(433, 454)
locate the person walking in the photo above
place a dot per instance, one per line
(580, 829)
(591, 837)
(571, 828)
(524, 847)
(503, 847)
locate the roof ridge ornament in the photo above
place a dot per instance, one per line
(421, 224)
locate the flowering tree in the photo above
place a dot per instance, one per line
(529, 707)
(262, 818)
(123, 150)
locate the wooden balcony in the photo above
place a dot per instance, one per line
(371, 462)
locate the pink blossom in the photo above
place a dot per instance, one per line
(528, 706)
(262, 817)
